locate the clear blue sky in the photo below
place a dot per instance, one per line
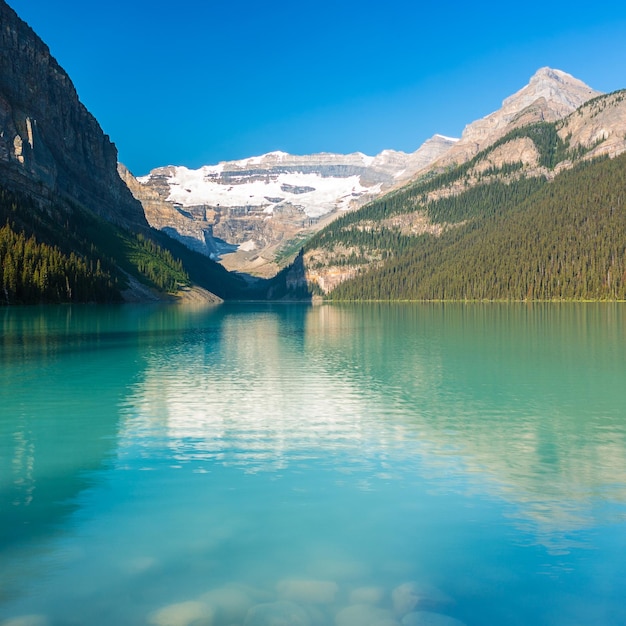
(195, 82)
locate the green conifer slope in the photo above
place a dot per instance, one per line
(564, 241)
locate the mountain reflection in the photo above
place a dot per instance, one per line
(255, 396)
(65, 371)
(515, 402)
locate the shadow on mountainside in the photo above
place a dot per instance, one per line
(289, 284)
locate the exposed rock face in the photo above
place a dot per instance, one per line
(596, 128)
(254, 205)
(599, 126)
(550, 95)
(50, 145)
(522, 150)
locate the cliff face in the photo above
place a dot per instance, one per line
(50, 145)
(599, 126)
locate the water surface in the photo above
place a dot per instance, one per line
(150, 456)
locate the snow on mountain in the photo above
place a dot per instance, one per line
(243, 211)
(317, 184)
(256, 204)
(314, 193)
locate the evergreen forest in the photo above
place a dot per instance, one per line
(62, 253)
(525, 240)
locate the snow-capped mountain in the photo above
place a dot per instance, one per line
(244, 211)
(317, 184)
(255, 204)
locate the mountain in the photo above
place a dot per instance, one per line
(254, 213)
(550, 95)
(529, 203)
(70, 230)
(558, 240)
(50, 145)
(244, 211)
(391, 240)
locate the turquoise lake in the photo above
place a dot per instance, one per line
(293, 465)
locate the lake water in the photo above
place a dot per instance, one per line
(290, 465)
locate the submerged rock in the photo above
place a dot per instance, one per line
(307, 591)
(414, 595)
(364, 615)
(190, 613)
(330, 567)
(231, 603)
(367, 595)
(283, 613)
(428, 618)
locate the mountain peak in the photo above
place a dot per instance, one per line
(562, 92)
(550, 95)
(439, 137)
(552, 74)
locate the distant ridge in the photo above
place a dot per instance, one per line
(243, 211)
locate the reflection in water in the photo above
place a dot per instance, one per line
(151, 454)
(64, 373)
(254, 398)
(525, 399)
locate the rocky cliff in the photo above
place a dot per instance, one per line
(598, 127)
(50, 145)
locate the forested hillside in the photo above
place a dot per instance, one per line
(416, 196)
(544, 241)
(66, 254)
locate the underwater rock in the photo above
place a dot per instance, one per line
(413, 595)
(27, 620)
(367, 595)
(329, 566)
(307, 591)
(231, 603)
(319, 614)
(283, 613)
(190, 613)
(363, 615)
(427, 618)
